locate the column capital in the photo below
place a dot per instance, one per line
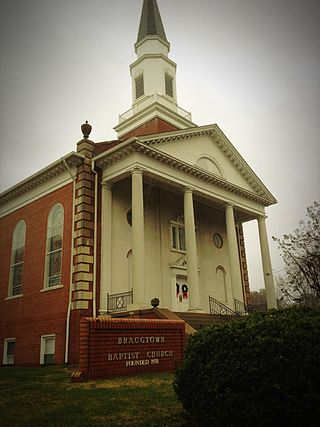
(106, 185)
(137, 170)
(188, 190)
(262, 217)
(229, 205)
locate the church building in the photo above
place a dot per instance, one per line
(155, 215)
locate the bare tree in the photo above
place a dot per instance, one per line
(301, 254)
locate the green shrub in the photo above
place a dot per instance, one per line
(260, 371)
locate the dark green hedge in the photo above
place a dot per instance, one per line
(260, 371)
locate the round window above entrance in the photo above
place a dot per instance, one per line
(217, 240)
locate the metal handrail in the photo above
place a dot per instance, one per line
(240, 307)
(216, 307)
(244, 309)
(119, 302)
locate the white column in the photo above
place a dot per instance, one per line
(191, 249)
(106, 246)
(235, 272)
(266, 264)
(138, 255)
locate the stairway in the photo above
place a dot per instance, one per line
(193, 321)
(201, 320)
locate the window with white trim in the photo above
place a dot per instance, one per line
(47, 349)
(139, 83)
(9, 349)
(178, 240)
(17, 259)
(54, 246)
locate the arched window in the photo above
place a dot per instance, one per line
(54, 246)
(221, 282)
(17, 259)
(210, 165)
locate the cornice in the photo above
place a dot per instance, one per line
(136, 146)
(148, 37)
(224, 145)
(155, 109)
(44, 175)
(152, 56)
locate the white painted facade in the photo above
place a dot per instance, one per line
(192, 178)
(169, 164)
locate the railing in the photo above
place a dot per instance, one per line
(244, 309)
(241, 308)
(149, 100)
(119, 302)
(216, 307)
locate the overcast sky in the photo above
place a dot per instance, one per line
(251, 66)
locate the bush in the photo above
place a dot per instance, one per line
(260, 371)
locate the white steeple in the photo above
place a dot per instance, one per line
(153, 74)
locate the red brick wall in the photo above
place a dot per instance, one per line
(101, 355)
(35, 313)
(154, 126)
(243, 265)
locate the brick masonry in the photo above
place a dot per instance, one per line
(154, 126)
(243, 264)
(83, 261)
(114, 347)
(36, 312)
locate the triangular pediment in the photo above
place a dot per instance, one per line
(208, 149)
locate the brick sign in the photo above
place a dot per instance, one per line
(113, 347)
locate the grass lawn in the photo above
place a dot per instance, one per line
(46, 397)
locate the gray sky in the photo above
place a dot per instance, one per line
(251, 66)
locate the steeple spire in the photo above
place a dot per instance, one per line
(150, 22)
(153, 74)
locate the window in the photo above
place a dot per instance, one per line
(47, 350)
(209, 165)
(139, 86)
(17, 259)
(54, 246)
(217, 240)
(169, 85)
(178, 240)
(9, 351)
(221, 284)
(129, 217)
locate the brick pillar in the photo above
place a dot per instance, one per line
(84, 231)
(243, 264)
(233, 249)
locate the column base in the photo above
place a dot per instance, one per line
(138, 306)
(195, 310)
(103, 313)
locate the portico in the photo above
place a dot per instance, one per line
(136, 173)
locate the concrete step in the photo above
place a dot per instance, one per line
(201, 320)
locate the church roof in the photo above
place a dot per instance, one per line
(150, 146)
(150, 22)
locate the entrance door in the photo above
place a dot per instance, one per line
(182, 294)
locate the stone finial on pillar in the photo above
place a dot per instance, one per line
(85, 146)
(86, 129)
